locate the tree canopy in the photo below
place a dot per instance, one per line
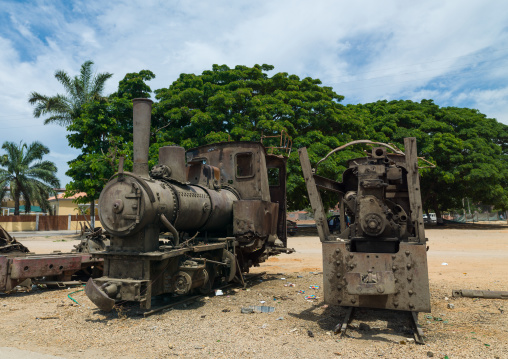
(469, 150)
(244, 103)
(25, 174)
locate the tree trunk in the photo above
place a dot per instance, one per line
(16, 204)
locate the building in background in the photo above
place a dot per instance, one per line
(64, 206)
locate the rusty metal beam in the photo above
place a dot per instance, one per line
(487, 294)
(413, 183)
(328, 184)
(314, 196)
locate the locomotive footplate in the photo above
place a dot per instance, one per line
(396, 281)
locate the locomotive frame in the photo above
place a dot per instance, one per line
(223, 207)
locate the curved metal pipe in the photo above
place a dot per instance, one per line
(172, 229)
(397, 151)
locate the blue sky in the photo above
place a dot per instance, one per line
(454, 52)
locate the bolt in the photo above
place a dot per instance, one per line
(351, 255)
(411, 305)
(394, 268)
(338, 263)
(408, 266)
(339, 287)
(351, 265)
(410, 292)
(395, 304)
(353, 301)
(338, 275)
(339, 300)
(394, 256)
(407, 253)
(409, 278)
(337, 250)
(396, 280)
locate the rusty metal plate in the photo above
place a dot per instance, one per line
(30, 267)
(4, 266)
(371, 283)
(98, 297)
(255, 217)
(408, 267)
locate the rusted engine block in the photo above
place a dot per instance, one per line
(380, 259)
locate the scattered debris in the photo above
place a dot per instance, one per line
(226, 310)
(314, 287)
(364, 327)
(451, 306)
(257, 309)
(218, 292)
(444, 264)
(430, 354)
(9, 244)
(310, 334)
(44, 318)
(310, 297)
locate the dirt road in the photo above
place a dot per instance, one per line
(48, 322)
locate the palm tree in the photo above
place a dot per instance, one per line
(63, 109)
(81, 89)
(24, 173)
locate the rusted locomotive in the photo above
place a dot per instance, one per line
(379, 260)
(198, 217)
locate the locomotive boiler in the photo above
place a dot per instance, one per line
(198, 217)
(379, 260)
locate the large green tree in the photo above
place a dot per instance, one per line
(242, 103)
(26, 175)
(469, 150)
(79, 90)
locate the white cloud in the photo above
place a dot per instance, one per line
(453, 52)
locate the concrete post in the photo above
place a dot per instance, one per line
(69, 222)
(37, 222)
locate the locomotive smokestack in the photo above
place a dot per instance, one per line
(141, 115)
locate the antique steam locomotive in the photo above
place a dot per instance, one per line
(197, 218)
(380, 259)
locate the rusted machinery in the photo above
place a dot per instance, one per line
(380, 260)
(17, 265)
(197, 218)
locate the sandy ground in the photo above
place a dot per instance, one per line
(47, 322)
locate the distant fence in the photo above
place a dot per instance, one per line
(44, 223)
(476, 217)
